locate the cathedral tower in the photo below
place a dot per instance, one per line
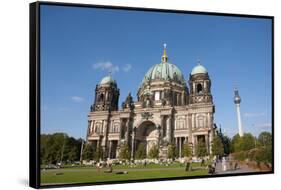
(106, 95)
(200, 85)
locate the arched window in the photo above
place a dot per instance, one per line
(157, 96)
(199, 88)
(101, 98)
(201, 122)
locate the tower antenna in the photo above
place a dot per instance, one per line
(237, 101)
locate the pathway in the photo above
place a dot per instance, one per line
(241, 169)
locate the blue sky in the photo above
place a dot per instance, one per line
(80, 45)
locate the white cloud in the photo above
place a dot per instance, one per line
(127, 68)
(77, 98)
(254, 114)
(107, 65)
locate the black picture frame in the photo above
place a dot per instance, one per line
(34, 91)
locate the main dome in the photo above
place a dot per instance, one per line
(164, 71)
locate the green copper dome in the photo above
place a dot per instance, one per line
(199, 69)
(107, 80)
(164, 71)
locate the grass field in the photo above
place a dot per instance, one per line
(91, 174)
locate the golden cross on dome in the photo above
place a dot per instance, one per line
(164, 56)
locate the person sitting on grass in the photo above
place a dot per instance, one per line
(109, 170)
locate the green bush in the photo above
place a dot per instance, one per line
(262, 154)
(201, 149)
(153, 152)
(125, 152)
(172, 153)
(187, 150)
(141, 151)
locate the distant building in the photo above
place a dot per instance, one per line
(166, 112)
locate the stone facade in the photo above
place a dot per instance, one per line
(166, 112)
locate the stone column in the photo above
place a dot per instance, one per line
(193, 144)
(168, 135)
(189, 122)
(208, 120)
(104, 132)
(193, 121)
(194, 90)
(210, 143)
(196, 121)
(205, 86)
(211, 120)
(158, 137)
(120, 131)
(211, 137)
(133, 144)
(176, 126)
(180, 147)
(182, 98)
(109, 149)
(207, 143)
(98, 144)
(162, 127)
(92, 127)
(127, 130)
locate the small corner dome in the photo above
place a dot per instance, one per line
(107, 80)
(199, 69)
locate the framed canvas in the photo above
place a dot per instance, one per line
(121, 94)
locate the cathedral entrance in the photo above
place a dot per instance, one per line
(147, 134)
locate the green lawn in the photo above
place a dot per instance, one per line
(90, 174)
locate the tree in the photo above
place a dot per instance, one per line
(217, 146)
(88, 152)
(59, 147)
(226, 144)
(72, 149)
(141, 152)
(125, 152)
(52, 147)
(187, 150)
(244, 143)
(153, 152)
(201, 149)
(265, 139)
(172, 152)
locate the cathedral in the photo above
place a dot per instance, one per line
(168, 110)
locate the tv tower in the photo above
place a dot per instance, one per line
(237, 101)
